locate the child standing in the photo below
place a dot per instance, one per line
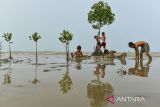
(98, 39)
(103, 38)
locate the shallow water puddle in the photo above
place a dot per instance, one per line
(84, 83)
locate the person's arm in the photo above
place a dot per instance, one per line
(137, 53)
(104, 38)
(81, 54)
(73, 54)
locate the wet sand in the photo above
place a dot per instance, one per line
(84, 83)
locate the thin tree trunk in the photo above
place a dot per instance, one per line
(68, 51)
(0, 51)
(99, 31)
(10, 56)
(66, 54)
(36, 54)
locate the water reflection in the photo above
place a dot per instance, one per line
(97, 90)
(123, 61)
(110, 61)
(100, 71)
(35, 80)
(66, 82)
(140, 69)
(7, 75)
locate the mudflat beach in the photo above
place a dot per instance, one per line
(84, 83)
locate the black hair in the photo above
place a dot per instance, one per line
(130, 44)
(106, 51)
(95, 37)
(103, 33)
(79, 47)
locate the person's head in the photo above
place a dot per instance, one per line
(103, 33)
(79, 47)
(95, 37)
(106, 51)
(131, 45)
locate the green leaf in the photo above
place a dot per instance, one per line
(100, 15)
(7, 36)
(35, 37)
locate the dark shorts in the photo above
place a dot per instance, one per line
(104, 44)
(145, 48)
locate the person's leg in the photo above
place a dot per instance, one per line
(147, 50)
(143, 49)
(103, 46)
(150, 58)
(141, 55)
(104, 43)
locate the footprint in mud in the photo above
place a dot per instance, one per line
(46, 70)
(18, 86)
(53, 67)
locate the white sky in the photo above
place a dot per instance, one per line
(135, 20)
